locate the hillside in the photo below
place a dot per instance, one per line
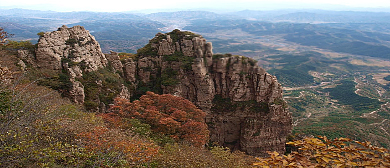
(329, 92)
(40, 128)
(179, 63)
(314, 54)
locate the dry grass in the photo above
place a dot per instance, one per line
(371, 62)
(379, 78)
(331, 54)
(286, 49)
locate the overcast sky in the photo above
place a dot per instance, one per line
(134, 5)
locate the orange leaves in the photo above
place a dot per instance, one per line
(340, 152)
(171, 115)
(195, 132)
(113, 141)
(179, 115)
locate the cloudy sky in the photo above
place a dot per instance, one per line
(135, 5)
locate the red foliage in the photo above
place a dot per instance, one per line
(106, 140)
(171, 115)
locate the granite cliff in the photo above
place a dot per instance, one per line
(244, 104)
(73, 51)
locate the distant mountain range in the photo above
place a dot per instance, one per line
(128, 31)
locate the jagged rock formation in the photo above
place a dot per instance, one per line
(245, 106)
(244, 103)
(71, 50)
(75, 44)
(113, 58)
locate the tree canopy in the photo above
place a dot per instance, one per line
(170, 115)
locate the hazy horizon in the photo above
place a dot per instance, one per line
(150, 6)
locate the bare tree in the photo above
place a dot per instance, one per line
(3, 36)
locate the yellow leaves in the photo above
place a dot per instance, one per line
(261, 163)
(343, 139)
(322, 152)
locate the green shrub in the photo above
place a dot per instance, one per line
(20, 45)
(100, 86)
(221, 105)
(147, 50)
(387, 78)
(71, 42)
(176, 35)
(168, 77)
(41, 34)
(177, 56)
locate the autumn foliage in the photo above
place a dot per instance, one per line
(133, 149)
(323, 152)
(170, 115)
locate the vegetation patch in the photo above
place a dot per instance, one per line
(218, 56)
(177, 56)
(123, 56)
(147, 50)
(169, 77)
(154, 85)
(294, 71)
(157, 39)
(20, 45)
(176, 35)
(345, 94)
(169, 115)
(58, 82)
(71, 42)
(225, 105)
(387, 78)
(100, 86)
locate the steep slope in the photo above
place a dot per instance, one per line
(244, 104)
(245, 107)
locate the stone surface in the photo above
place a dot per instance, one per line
(124, 94)
(76, 94)
(113, 58)
(22, 65)
(73, 51)
(75, 44)
(27, 57)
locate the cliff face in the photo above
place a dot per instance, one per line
(71, 50)
(244, 104)
(75, 44)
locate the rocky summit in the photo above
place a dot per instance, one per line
(244, 104)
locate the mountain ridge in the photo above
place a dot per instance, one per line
(182, 64)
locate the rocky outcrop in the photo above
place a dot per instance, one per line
(244, 104)
(256, 119)
(245, 107)
(27, 56)
(114, 60)
(71, 50)
(72, 44)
